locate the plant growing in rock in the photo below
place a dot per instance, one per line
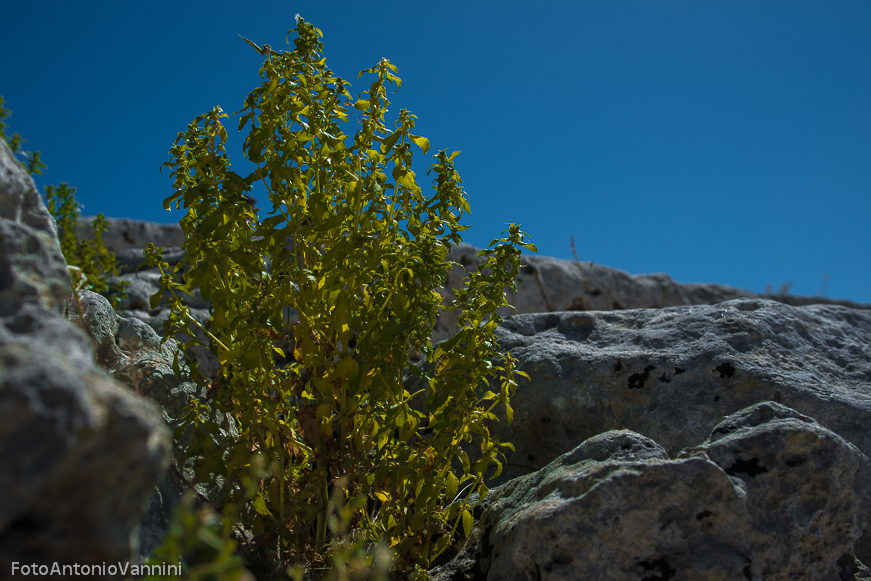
(330, 413)
(89, 262)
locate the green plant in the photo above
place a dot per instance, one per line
(89, 262)
(204, 539)
(330, 414)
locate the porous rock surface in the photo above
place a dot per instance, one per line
(130, 351)
(544, 284)
(672, 374)
(79, 453)
(769, 495)
(637, 386)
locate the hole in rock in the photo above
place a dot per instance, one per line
(637, 380)
(725, 370)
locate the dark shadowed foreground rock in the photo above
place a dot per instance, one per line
(131, 352)
(79, 453)
(769, 495)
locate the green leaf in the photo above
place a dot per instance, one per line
(451, 486)
(405, 177)
(482, 492)
(421, 142)
(341, 318)
(346, 369)
(388, 143)
(449, 344)
(401, 417)
(257, 48)
(323, 386)
(468, 523)
(418, 520)
(260, 505)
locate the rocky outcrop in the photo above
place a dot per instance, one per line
(672, 374)
(130, 351)
(544, 284)
(769, 495)
(79, 453)
(620, 434)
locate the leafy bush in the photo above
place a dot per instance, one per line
(323, 400)
(89, 262)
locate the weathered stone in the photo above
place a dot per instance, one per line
(127, 234)
(770, 495)
(544, 284)
(79, 454)
(667, 373)
(670, 374)
(131, 352)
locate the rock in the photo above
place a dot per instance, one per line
(671, 374)
(769, 495)
(126, 234)
(544, 284)
(131, 352)
(666, 361)
(79, 453)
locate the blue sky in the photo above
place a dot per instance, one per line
(714, 141)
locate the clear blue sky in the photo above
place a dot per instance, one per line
(715, 141)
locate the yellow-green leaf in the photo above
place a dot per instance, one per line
(346, 369)
(421, 142)
(451, 486)
(260, 505)
(417, 521)
(323, 386)
(468, 523)
(482, 492)
(388, 143)
(342, 313)
(257, 48)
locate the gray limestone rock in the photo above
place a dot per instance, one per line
(770, 495)
(126, 234)
(608, 351)
(79, 453)
(544, 284)
(671, 373)
(130, 351)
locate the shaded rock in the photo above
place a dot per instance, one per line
(131, 352)
(770, 495)
(79, 453)
(126, 234)
(671, 373)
